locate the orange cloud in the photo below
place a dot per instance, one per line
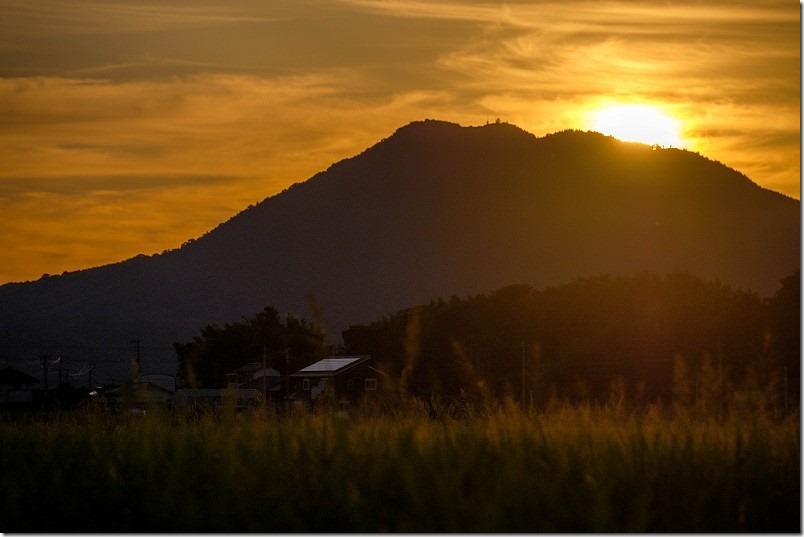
(98, 172)
(130, 127)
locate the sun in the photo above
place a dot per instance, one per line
(642, 123)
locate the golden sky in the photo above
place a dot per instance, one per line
(129, 127)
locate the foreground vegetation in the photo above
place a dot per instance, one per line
(566, 468)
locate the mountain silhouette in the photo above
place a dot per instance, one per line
(434, 210)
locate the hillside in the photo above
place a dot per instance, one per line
(434, 210)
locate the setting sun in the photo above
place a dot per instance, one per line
(175, 115)
(637, 123)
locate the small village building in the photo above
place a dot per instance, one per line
(255, 376)
(249, 373)
(166, 382)
(346, 378)
(16, 387)
(214, 398)
(138, 395)
(266, 380)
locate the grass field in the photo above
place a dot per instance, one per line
(566, 469)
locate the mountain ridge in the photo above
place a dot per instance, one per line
(436, 209)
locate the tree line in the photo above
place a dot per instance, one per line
(287, 345)
(594, 338)
(644, 338)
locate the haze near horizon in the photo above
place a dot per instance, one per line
(131, 127)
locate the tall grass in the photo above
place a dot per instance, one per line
(567, 469)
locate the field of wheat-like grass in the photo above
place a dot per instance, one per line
(569, 469)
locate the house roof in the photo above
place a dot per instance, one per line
(141, 386)
(166, 382)
(9, 375)
(217, 392)
(331, 366)
(248, 368)
(253, 370)
(272, 383)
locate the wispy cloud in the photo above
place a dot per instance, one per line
(33, 18)
(139, 167)
(145, 124)
(729, 70)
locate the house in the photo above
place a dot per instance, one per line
(345, 377)
(254, 376)
(166, 382)
(138, 395)
(249, 373)
(213, 398)
(16, 387)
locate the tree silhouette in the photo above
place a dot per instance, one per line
(204, 362)
(586, 339)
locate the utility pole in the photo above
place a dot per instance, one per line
(523, 375)
(138, 353)
(44, 358)
(264, 375)
(137, 364)
(287, 375)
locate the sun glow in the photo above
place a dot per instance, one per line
(638, 123)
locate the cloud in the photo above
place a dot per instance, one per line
(221, 124)
(101, 171)
(729, 72)
(144, 124)
(32, 18)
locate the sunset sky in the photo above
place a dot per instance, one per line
(129, 127)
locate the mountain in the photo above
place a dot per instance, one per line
(434, 210)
